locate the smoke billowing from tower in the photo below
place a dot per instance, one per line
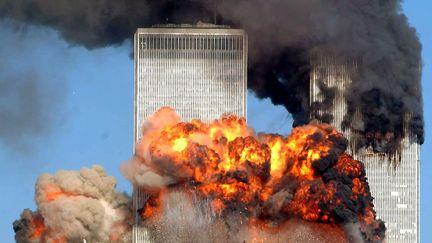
(285, 37)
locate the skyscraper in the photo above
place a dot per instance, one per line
(395, 189)
(198, 70)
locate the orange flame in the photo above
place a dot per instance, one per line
(52, 193)
(226, 162)
(37, 224)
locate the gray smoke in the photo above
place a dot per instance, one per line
(27, 100)
(76, 205)
(187, 219)
(285, 36)
(23, 110)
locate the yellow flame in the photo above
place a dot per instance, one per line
(313, 155)
(276, 161)
(179, 144)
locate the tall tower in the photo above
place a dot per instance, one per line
(395, 189)
(198, 70)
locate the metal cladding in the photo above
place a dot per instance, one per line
(393, 177)
(200, 71)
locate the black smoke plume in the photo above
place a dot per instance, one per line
(284, 37)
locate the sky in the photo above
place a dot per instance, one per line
(88, 116)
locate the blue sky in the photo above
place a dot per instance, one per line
(90, 114)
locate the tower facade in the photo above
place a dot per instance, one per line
(395, 188)
(199, 70)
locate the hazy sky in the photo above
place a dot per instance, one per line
(85, 114)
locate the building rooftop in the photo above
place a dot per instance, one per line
(198, 25)
(199, 28)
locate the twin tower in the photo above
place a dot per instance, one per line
(201, 71)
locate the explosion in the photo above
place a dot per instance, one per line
(265, 181)
(73, 206)
(216, 182)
